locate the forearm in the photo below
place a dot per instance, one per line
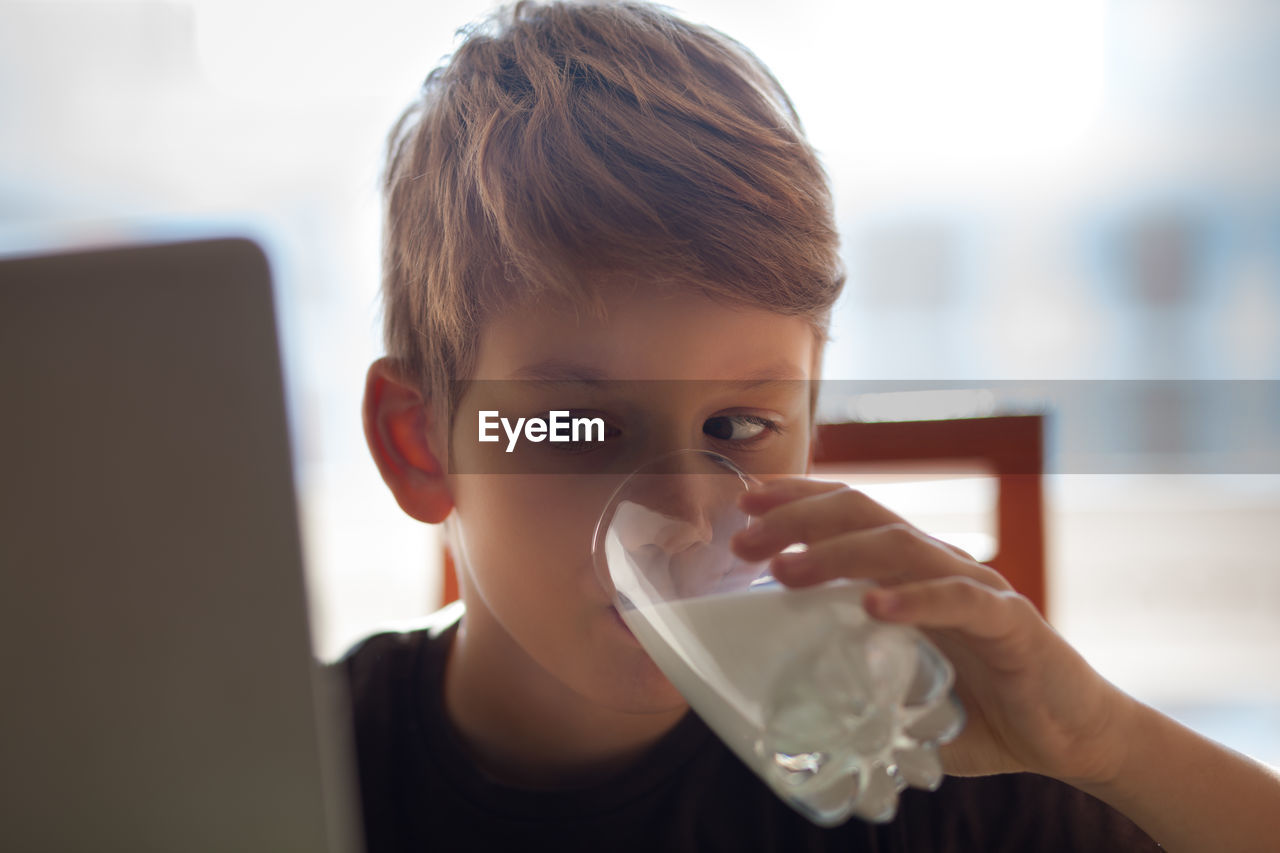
(1187, 792)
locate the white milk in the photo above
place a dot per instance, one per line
(739, 657)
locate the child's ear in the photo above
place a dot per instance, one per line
(405, 442)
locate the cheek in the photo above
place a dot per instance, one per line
(527, 540)
(798, 464)
(527, 545)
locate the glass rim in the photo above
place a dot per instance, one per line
(603, 522)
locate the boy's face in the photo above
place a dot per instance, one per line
(666, 370)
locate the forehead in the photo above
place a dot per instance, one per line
(646, 334)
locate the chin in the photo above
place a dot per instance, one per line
(637, 686)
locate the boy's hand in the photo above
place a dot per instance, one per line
(1032, 701)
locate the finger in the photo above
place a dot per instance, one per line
(959, 603)
(890, 555)
(770, 494)
(764, 496)
(811, 519)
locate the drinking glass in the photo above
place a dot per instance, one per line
(837, 712)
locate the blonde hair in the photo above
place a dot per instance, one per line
(563, 141)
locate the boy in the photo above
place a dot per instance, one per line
(591, 206)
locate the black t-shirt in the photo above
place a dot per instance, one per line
(687, 793)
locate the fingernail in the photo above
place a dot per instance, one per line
(752, 535)
(884, 601)
(792, 564)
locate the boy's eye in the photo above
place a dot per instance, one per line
(739, 428)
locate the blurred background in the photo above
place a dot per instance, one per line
(1084, 190)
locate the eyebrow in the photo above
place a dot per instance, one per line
(556, 372)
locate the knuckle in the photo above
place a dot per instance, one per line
(854, 500)
(1019, 605)
(909, 541)
(1009, 610)
(965, 591)
(898, 535)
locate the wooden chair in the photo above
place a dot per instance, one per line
(1009, 448)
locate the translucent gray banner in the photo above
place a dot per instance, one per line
(1096, 426)
(610, 427)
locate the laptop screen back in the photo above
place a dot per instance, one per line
(160, 691)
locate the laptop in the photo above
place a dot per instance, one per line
(159, 687)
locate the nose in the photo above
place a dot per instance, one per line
(688, 493)
(673, 519)
(665, 514)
